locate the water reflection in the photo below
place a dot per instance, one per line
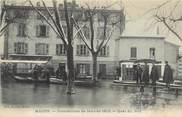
(14, 93)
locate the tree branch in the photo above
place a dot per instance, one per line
(163, 20)
(81, 34)
(40, 13)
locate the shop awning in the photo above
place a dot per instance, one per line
(15, 58)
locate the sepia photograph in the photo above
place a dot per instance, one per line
(110, 57)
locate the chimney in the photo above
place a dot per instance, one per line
(38, 4)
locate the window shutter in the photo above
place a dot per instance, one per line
(87, 51)
(78, 50)
(47, 49)
(88, 33)
(15, 47)
(88, 69)
(107, 50)
(26, 48)
(78, 68)
(57, 49)
(36, 48)
(37, 30)
(24, 30)
(47, 31)
(18, 29)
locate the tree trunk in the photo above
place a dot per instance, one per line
(70, 60)
(70, 65)
(94, 71)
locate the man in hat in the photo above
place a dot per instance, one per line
(168, 74)
(138, 73)
(154, 75)
(145, 74)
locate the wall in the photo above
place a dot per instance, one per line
(171, 53)
(142, 44)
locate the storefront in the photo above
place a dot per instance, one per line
(22, 64)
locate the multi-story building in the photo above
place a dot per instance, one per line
(30, 37)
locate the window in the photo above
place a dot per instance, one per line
(42, 31)
(41, 49)
(100, 32)
(65, 31)
(104, 51)
(102, 69)
(83, 69)
(133, 53)
(21, 30)
(44, 13)
(20, 48)
(86, 32)
(152, 53)
(60, 49)
(21, 14)
(82, 50)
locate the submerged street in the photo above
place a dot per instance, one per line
(106, 95)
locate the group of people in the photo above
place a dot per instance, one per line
(142, 74)
(39, 71)
(61, 73)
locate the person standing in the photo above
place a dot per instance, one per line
(64, 75)
(139, 74)
(145, 74)
(58, 72)
(154, 75)
(118, 73)
(168, 74)
(144, 77)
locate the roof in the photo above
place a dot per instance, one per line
(51, 8)
(141, 37)
(141, 61)
(172, 43)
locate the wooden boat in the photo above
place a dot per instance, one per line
(55, 80)
(30, 79)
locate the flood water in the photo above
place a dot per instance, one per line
(105, 95)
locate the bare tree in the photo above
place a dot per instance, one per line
(4, 20)
(169, 18)
(56, 24)
(93, 47)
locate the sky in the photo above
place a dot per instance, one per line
(139, 15)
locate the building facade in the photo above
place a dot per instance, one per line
(30, 36)
(130, 48)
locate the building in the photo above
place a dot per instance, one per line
(30, 37)
(130, 48)
(180, 66)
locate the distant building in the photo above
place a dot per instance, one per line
(130, 48)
